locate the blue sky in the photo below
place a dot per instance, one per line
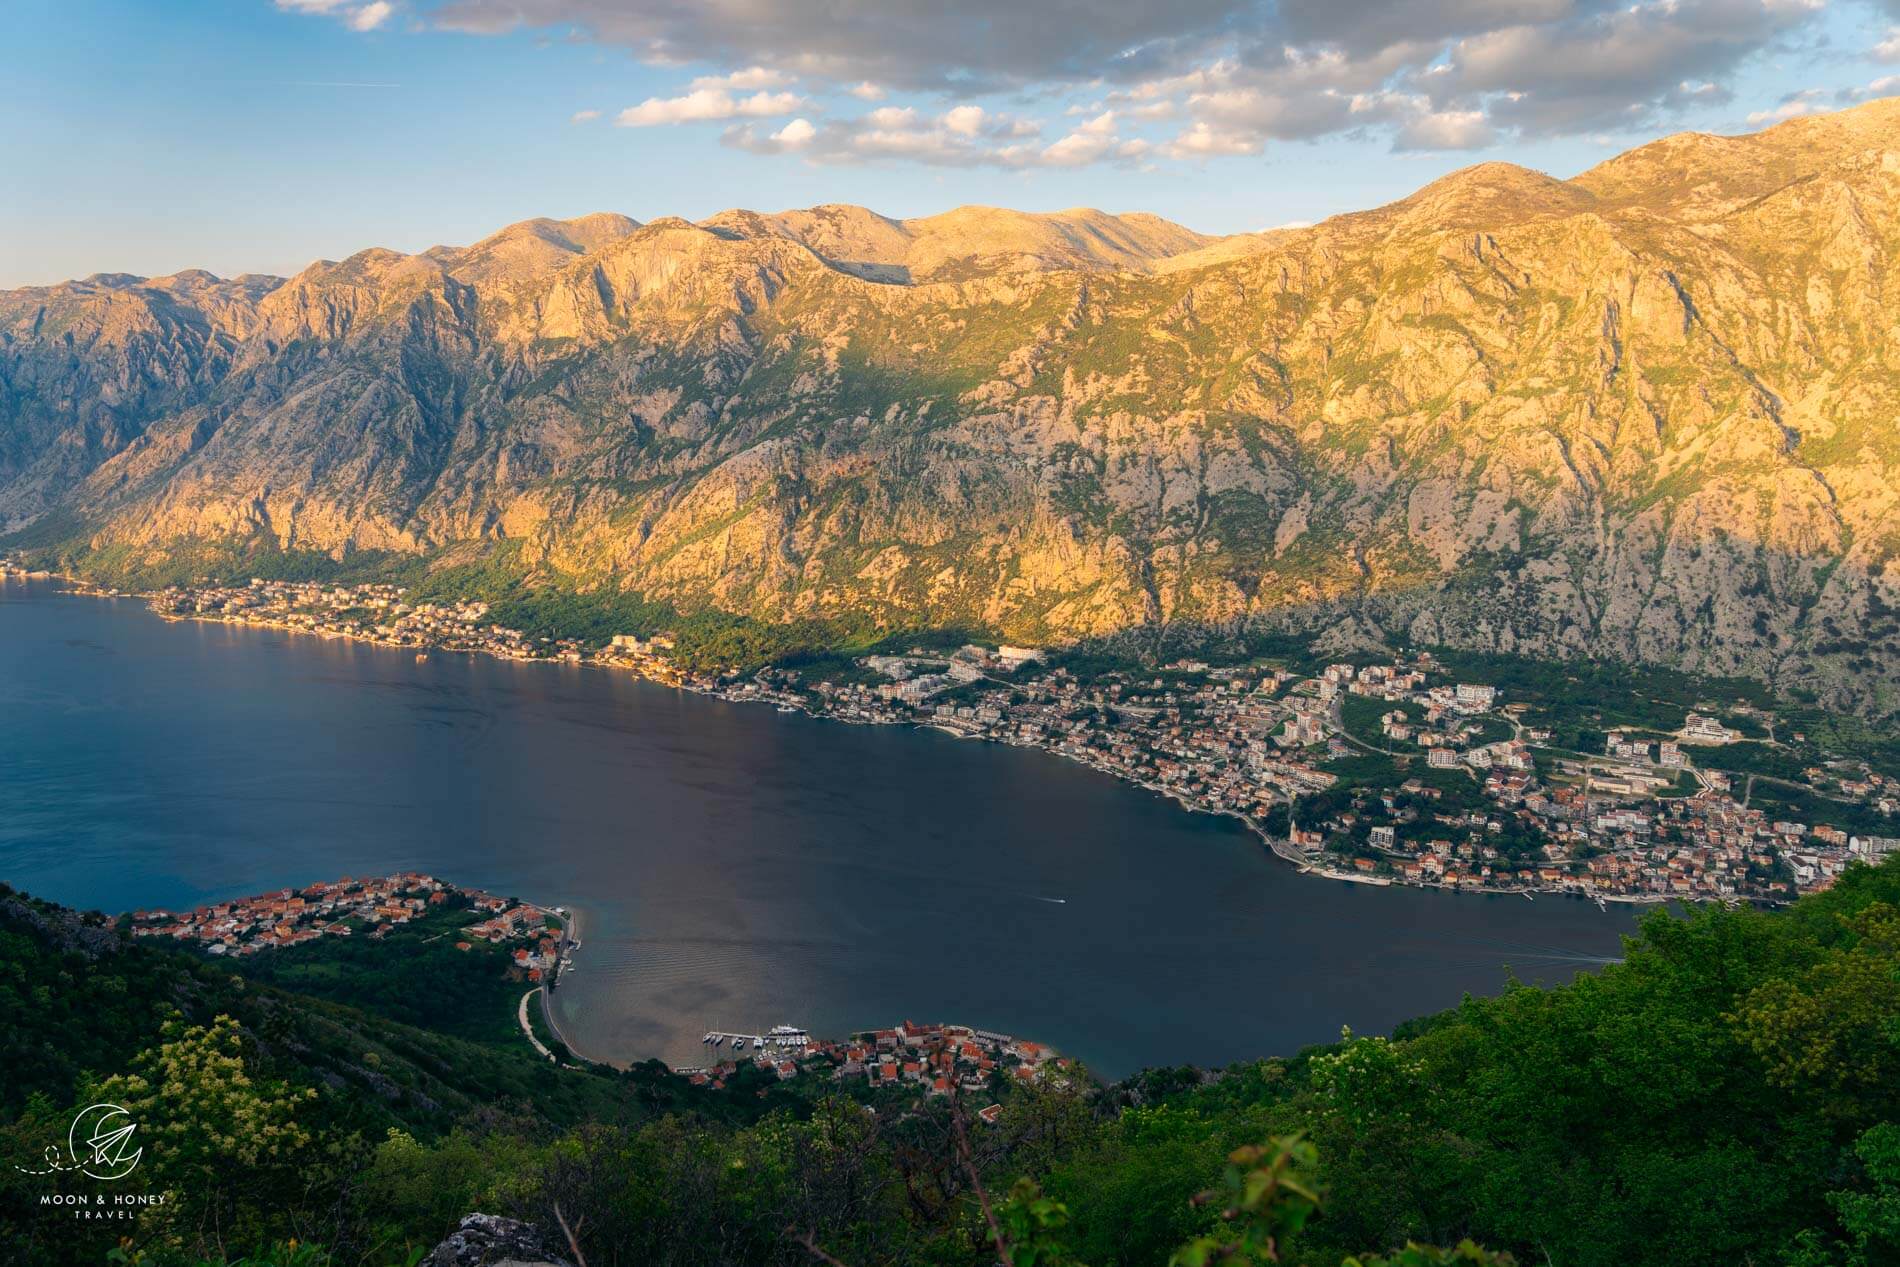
(257, 135)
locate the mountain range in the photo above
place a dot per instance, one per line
(1646, 413)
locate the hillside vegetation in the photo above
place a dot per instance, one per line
(1728, 1094)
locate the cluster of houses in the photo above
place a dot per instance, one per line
(508, 921)
(373, 612)
(1241, 741)
(372, 906)
(938, 1058)
(1697, 729)
(920, 675)
(1710, 846)
(290, 917)
(1614, 841)
(929, 1059)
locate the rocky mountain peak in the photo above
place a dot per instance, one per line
(1647, 412)
(531, 248)
(1487, 196)
(969, 241)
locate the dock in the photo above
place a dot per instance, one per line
(779, 1036)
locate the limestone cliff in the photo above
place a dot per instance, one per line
(1648, 412)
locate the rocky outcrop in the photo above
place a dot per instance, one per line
(488, 1240)
(59, 928)
(1645, 413)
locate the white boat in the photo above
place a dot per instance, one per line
(757, 1043)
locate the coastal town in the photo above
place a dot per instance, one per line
(370, 907)
(929, 1059)
(1399, 771)
(926, 1059)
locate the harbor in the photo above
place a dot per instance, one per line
(786, 1036)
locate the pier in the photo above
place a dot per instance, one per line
(778, 1036)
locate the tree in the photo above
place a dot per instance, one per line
(1871, 1218)
(1267, 1194)
(223, 1143)
(1830, 1032)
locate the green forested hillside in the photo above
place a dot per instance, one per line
(1729, 1094)
(82, 1002)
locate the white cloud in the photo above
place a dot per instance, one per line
(964, 120)
(1792, 106)
(706, 104)
(1203, 141)
(1091, 141)
(795, 135)
(924, 145)
(1613, 67)
(1263, 113)
(1885, 86)
(1888, 50)
(1077, 148)
(357, 16)
(960, 137)
(967, 48)
(1239, 75)
(584, 116)
(1445, 130)
(747, 80)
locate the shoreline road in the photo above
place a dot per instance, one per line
(528, 1029)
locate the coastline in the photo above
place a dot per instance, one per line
(570, 941)
(661, 675)
(581, 735)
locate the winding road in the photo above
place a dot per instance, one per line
(528, 1029)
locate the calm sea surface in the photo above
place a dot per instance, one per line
(733, 867)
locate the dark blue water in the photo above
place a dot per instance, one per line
(734, 867)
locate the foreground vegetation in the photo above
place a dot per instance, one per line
(1728, 1094)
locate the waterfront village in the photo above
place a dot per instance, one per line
(374, 907)
(1380, 773)
(929, 1059)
